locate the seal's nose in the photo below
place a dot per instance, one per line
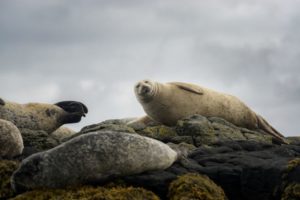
(142, 89)
(145, 89)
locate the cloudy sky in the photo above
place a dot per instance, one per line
(94, 52)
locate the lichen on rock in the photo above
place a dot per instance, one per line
(7, 167)
(195, 186)
(89, 193)
(291, 192)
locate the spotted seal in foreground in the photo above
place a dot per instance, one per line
(40, 116)
(90, 158)
(168, 102)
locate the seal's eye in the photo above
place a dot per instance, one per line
(138, 85)
(146, 81)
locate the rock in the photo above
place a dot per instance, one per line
(36, 141)
(62, 132)
(291, 192)
(163, 133)
(245, 170)
(196, 130)
(7, 167)
(92, 157)
(291, 183)
(89, 193)
(294, 140)
(118, 125)
(11, 142)
(195, 186)
(207, 131)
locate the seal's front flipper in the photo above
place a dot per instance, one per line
(2, 102)
(189, 87)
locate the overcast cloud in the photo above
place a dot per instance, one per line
(94, 52)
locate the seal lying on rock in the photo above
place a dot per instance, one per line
(92, 157)
(11, 142)
(39, 116)
(168, 102)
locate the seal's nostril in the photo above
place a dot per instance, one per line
(146, 81)
(145, 90)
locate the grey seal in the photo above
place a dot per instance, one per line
(92, 157)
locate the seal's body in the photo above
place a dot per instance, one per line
(40, 116)
(168, 102)
(91, 158)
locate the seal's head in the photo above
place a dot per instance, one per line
(29, 170)
(145, 90)
(75, 110)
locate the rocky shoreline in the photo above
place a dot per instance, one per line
(216, 160)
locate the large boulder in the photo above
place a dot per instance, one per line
(11, 142)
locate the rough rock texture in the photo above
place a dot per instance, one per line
(246, 164)
(90, 193)
(36, 141)
(7, 167)
(195, 186)
(196, 130)
(92, 157)
(246, 170)
(11, 142)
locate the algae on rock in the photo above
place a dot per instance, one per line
(7, 167)
(89, 193)
(195, 186)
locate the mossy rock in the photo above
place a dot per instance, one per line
(158, 132)
(295, 140)
(110, 127)
(291, 192)
(38, 140)
(195, 125)
(103, 126)
(195, 186)
(7, 167)
(90, 193)
(292, 164)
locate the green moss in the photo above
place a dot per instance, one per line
(291, 192)
(90, 193)
(195, 186)
(158, 132)
(7, 167)
(39, 140)
(292, 164)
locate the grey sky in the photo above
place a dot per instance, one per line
(94, 51)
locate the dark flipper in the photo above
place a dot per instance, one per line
(73, 106)
(2, 102)
(74, 109)
(265, 126)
